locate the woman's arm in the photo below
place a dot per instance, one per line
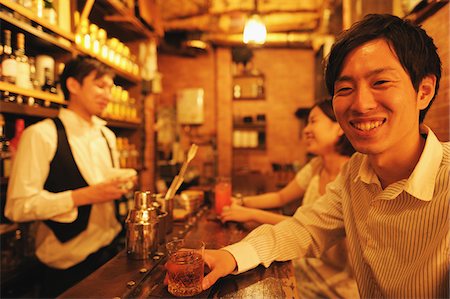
(243, 214)
(273, 199)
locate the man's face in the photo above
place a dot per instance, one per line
(375, 101)
(94, 94)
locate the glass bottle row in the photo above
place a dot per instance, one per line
(122, 106)
(24, 71)
(95, 41)
(128, 153)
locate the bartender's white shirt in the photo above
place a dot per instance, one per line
(28, 201)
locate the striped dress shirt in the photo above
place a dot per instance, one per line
(398, 237)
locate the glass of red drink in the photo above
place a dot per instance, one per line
(222, 192)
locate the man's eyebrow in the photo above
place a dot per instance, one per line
(371, 73)
(343, 79)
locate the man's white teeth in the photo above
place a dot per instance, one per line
(366, 126)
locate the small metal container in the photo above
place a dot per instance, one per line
(162, 227)
(142, 227)
(166, 206)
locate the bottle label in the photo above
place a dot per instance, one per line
(23, 75)
(9, 68)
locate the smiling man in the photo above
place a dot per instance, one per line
(391, 200)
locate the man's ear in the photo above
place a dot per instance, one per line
(427, 89)
(73, 86)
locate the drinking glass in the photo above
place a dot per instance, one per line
(222, 193)
(185, 267)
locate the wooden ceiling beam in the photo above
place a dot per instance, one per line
(276, 22)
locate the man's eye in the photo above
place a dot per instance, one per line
(343, 89)
(381, 82)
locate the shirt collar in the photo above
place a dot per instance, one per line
(420, 183)
(422, 180)
(77, 121)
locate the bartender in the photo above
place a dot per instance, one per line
(61, 178)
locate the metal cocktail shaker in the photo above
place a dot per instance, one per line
(142, 227)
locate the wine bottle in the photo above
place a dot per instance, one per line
(50, 12)
(23, 68)
(5, 153)
(20, 126)
(8, 60)
(49, 85)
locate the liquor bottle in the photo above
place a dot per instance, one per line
(33, 73)
(49, 85)
(14, 143)
(23, 68)
(8, 60)
(60, 69)
(5, 153)
(50, 12)
(102, 37)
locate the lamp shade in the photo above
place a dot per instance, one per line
(255, 30)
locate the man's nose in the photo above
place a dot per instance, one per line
(364, 99)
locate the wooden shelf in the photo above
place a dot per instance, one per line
(257, 148)
(118, 20)
(249, 98)
(125, 15)
(32, 93)
(129, 77)
(122, 124)
(42, 39)
(34, 111)
(250, 126)
(42, 112)
(33, 17)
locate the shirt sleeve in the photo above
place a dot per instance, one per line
(312, 230)
(26, 198)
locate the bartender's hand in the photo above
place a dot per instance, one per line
(221, 263)
(102, 192)
(237, 213)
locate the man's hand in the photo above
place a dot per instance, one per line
(102, 192)
(221, 263)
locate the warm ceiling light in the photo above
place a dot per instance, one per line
(255, 31)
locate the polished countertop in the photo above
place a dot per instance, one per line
(123, 277)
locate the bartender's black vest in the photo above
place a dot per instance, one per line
(64, 175)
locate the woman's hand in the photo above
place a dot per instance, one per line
(237, 213)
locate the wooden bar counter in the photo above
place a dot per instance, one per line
(123, 277)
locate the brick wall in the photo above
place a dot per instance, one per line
(289, 81)
(289, 84)
(438, 115)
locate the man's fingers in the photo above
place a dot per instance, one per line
(210, 279)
